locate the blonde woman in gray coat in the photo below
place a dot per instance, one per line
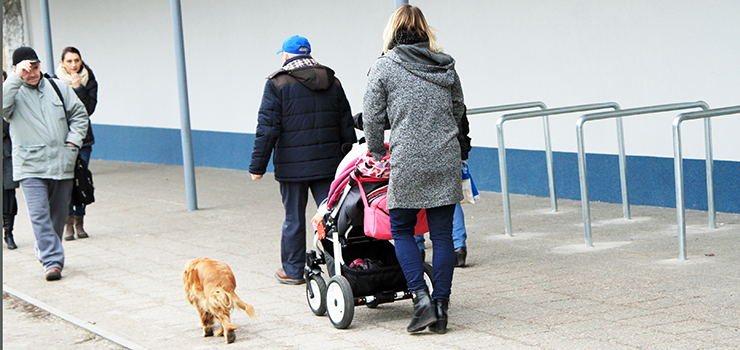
(415, 86)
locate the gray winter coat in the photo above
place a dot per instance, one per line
(40, 127)
(419, 92)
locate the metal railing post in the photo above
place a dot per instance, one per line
(678, 167)
(545, 114)
(710, 172)
(622, 170)
(680, 202)
(502, 153)
(585, 205)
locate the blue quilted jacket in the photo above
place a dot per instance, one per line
(305, 119)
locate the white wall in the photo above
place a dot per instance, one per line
(568, 52)
(635, 53)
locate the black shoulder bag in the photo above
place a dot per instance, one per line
(82, 189)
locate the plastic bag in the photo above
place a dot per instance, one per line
(470, 192)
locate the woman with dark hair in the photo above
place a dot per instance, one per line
(73, 71)
(414, 85)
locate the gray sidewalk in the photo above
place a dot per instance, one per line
(541, 289)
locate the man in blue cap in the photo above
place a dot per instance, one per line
(305, 119)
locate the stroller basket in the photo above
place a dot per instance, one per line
(384, 274)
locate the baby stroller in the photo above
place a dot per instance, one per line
(362, 270)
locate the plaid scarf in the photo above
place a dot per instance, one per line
(301, 62)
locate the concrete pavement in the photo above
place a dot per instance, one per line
(541, 289)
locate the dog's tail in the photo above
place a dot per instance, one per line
(220, 300)
(223, 300)
(244, 306)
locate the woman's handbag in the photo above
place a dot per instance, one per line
(82, 190)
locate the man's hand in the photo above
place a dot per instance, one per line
(71, 144)
(23, 68)
(256, 177)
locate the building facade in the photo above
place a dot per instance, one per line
(632, 52)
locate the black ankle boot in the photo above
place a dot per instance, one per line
(460, 255)
(424, 311)
(440, 326)
(8, 228)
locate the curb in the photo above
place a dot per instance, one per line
(74, 320)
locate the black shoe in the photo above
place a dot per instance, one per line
(8, 228)
(440, 327)
(10, 242)
(460, 255)
(424, 311)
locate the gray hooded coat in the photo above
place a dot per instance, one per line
(419, 92)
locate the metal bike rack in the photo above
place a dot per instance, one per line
(503, 108)
(546, 126)
(622, 157)
(678, 165)
(545, 113)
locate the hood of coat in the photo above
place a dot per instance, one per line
(437, 68)
(316, 78)
(311, 75)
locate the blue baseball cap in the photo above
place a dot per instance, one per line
(293, 45)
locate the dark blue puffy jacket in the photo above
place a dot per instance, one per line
(305, 117)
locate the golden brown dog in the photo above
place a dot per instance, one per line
(209, 286)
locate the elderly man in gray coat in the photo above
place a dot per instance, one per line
(46, 130)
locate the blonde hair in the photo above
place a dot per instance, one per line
(409, 18)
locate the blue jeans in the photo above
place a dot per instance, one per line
(47, 202)
(439, 219)
(293, 241)
(80, 210)
(459, 234)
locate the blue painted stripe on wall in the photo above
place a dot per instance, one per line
(164, 146)
(650, 179)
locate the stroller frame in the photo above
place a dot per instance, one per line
(337, 297)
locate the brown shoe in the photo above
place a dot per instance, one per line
(283, 278)
(69, 229)
(53, 274)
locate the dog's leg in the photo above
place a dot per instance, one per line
(227, 328)
(206, 320)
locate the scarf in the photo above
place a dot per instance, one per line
(404, 37)
(300, 62)
(67, 78)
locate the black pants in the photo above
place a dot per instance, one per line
(10, 204)
(293, 242)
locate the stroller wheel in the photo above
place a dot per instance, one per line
(428, 277)
(340, 303)
(316, 294)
